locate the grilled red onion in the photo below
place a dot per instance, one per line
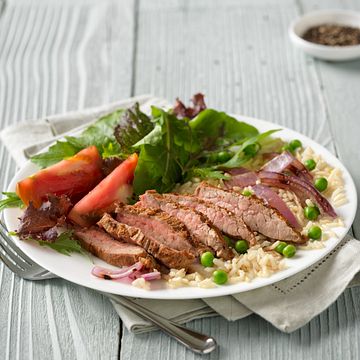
(265, 193)
(155, 275)
(279, 163)
(275, 201)
(237, 171)
(303, 189)
(109, 274)
(269, 155)
(127, 274)
(243, 180)
(286, 161)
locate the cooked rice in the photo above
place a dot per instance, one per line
(261, 260)
(293, 203)
(242, 268)
(335, 192)
(141, 283)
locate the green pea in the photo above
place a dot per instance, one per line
(314, 232)
(241, 246)
(321, 184)
(252, 149)
(223, 156)
(280, 247)
(220, 277)
(246, 192)
(289, 251)
(207, 259)
(311, 212)
(287, 147)
(310, 164)
(294, 144)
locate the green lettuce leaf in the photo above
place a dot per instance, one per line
(57, 152)
(247, 150)
(11, 200)
(217, 129)
(65, 244)
(164, 153)
(207, 173)
(100, 134)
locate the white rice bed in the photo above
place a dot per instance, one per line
(242, 268)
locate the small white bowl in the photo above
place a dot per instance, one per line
(334, 53)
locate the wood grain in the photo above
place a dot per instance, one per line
(57, 57)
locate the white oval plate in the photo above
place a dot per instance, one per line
(76, 268)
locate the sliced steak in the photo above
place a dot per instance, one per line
(157, 224)
(170, 257)
(258, 216)
(114, 252)
(226, 221)
(202, 231)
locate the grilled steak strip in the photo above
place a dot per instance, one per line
(157, 224)
(198, 225)
(226, 221)
(114, 252)
(258, 216)
(170, 257)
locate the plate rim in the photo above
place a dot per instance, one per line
(184, 293)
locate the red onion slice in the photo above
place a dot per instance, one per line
(286, 161)
(109, 274)
(275, 201)
(265, 193)
(303, 189)
(270, 155)
(243, 180)
(279, 163)
(155, 275)
(237, 171)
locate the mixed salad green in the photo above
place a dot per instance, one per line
(171, 150)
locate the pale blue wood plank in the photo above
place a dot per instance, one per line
(54, 57)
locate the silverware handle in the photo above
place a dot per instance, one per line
(193, 340)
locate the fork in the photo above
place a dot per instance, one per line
(20, 264)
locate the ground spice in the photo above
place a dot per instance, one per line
(333, 35)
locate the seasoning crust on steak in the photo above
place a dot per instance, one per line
(200, 228)
(170, 257)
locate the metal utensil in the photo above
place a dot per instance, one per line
(20, 264)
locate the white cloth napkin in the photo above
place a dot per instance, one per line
(288, 304)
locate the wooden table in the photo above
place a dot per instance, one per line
(59, 56)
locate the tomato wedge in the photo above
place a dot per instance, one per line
(116, 187)
(73, 177)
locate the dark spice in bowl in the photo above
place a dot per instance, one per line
(333, 35)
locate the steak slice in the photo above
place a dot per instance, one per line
(170, 257)
(114, 252)
(258, 216)
(157, 224)
(226, 221)
(202, 231)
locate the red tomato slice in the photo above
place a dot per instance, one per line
(116, 187)
(74, 177)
